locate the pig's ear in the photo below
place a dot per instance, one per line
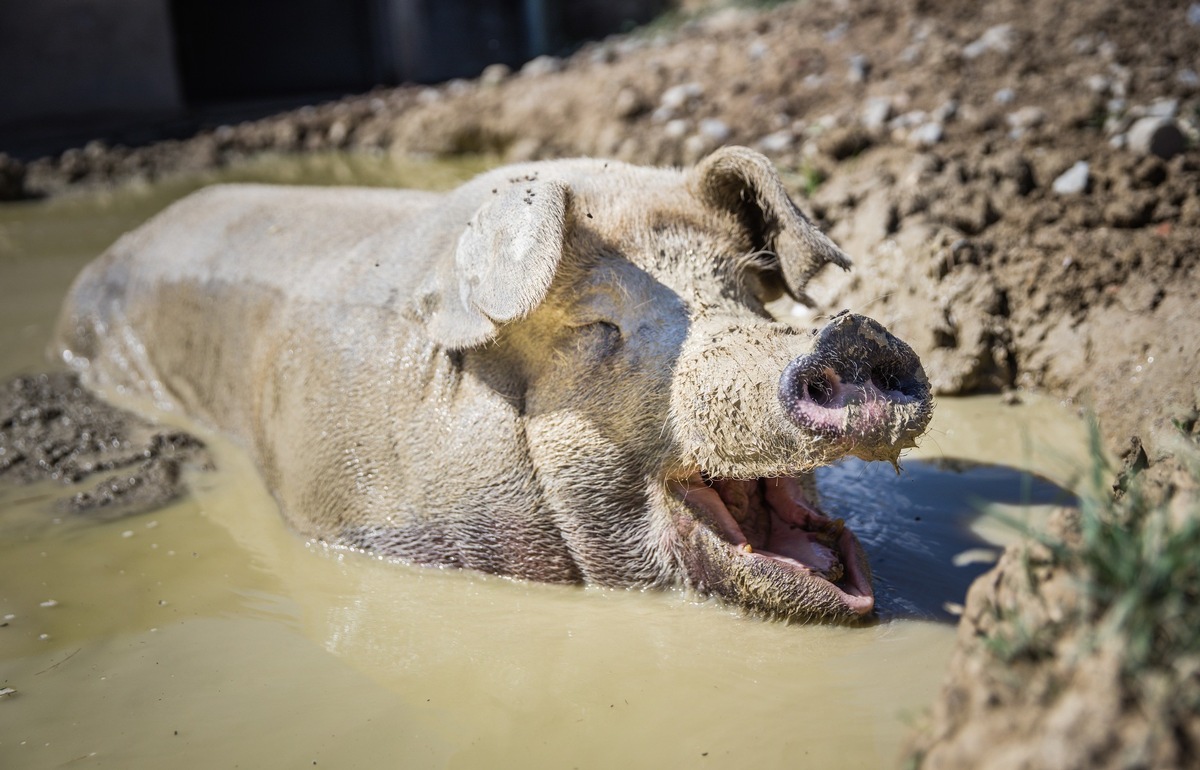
(503, 265)
(742, 181)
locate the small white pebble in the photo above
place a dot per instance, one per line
(43, 637)
(9, 616)
(876, 113)
(926, 135)
(676, 129)
(1000, 38)
(151, 524)
(714, 129)
(127, 533)
(1073, 181)
(777, 142)
(678, 97)
(859, 70)
(1026, 117)
(49, 603)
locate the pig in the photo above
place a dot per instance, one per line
(560, 371)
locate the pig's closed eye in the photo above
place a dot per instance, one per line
(604, 337)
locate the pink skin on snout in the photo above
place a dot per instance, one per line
(826, 408)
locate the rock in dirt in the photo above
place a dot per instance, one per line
(776, 142)
(714, 129)
(681, 96)
(876, 113)
(860, 69)
(1156, 136)
(1074, 180)
(927, 135)
(999, 38)
(1027, 117)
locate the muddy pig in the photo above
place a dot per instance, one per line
(560, 371)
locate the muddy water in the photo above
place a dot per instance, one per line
(208, 635)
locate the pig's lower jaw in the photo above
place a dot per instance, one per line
(766, 547)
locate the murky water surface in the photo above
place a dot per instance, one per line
(208, 635)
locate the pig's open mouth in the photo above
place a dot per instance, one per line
(772, 520)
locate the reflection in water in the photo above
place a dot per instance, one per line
(916, 526)
(210, 634)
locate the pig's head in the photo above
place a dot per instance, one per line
(674, 425)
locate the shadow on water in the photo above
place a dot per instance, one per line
(917, 526)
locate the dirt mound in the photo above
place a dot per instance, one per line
(52, 429)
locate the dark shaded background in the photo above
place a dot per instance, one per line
(133, 71)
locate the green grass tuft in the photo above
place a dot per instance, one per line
(1137, 561)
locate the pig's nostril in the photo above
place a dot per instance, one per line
(820, 390)
(888, 379)
(885, 379)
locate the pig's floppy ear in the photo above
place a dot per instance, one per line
(742, 181)
(503, 265)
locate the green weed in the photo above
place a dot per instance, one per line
(1137, 561)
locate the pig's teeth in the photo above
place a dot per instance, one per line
(834, 572)
(747, 548)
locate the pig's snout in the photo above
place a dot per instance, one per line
(859, 382)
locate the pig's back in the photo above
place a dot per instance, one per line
(183, 309)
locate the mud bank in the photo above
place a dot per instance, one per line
(53, 430)
(1081, 649)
